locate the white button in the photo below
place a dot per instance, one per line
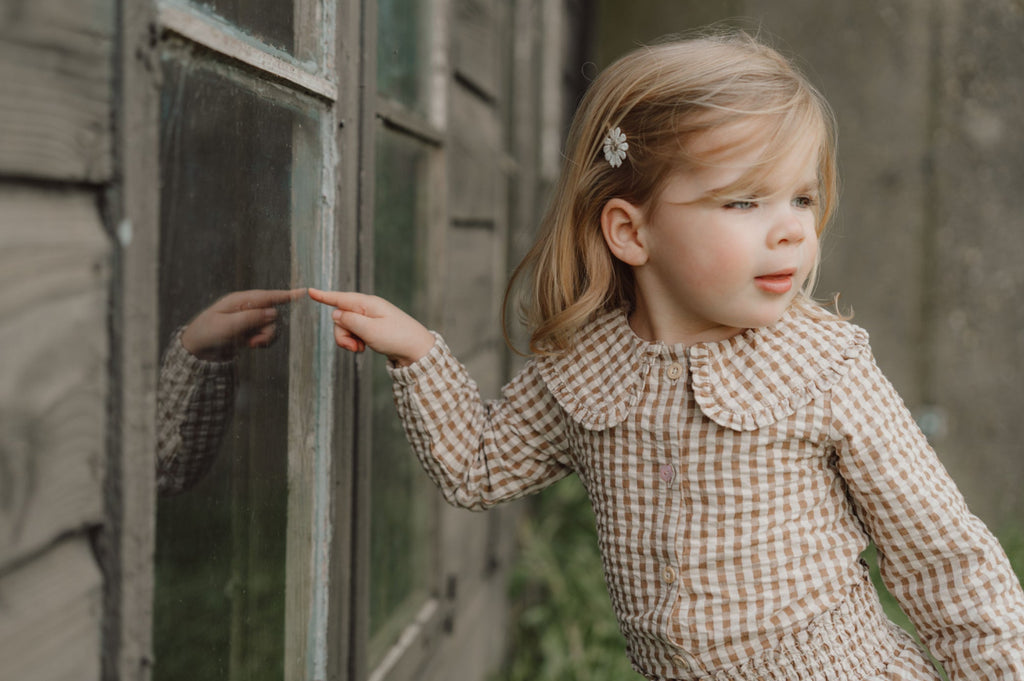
(668, 574)
(675, 370)
(679, 662)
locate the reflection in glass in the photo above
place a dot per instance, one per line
(236, 169)
(401, 496)
(402, 51)
(272, 21)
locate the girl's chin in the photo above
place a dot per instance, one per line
(759, 321)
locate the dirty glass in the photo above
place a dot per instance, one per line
(271, 21)
(403, 55)
(238, 174)
(402, 497)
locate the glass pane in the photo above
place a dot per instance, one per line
(402, 51)
(272, 21)
(402, 497)
(239, 189)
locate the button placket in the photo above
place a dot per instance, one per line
(645, 374)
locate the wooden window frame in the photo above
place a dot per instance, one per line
(412, 647)
(319, 602)
(343, 80)
(225, 40)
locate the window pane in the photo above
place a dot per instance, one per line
(401, 496)
(295, 27)
(269, 20)
(402, 51)
(238, 185)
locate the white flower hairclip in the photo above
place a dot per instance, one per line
(615, 146)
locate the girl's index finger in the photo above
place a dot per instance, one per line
(344, 300)
(325, 297)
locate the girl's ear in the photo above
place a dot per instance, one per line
(621, 224)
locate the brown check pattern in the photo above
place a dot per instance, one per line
(194, 405)
(735, 485)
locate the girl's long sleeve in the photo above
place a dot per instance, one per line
(480, 453)
(195, 399)
(947, 570)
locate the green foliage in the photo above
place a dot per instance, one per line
(565, 629)
(1012, 539)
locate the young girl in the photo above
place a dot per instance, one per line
(738, 444)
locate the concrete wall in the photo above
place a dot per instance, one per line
(928, 245)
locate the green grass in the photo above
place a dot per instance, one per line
(564, 628)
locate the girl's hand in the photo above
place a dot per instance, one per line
(362, 321)
(238, 319)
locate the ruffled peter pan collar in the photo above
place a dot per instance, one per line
(745, 382)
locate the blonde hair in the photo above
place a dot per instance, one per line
(661, 96)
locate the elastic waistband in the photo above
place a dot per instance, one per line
(851, 642)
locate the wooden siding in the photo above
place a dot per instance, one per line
(54, 280)
(53, 308)
(51, 615)
(56, 66)
(493, 79)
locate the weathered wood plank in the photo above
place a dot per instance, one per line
(50, 612)
(56, 66)
(476, 46)
(474, 648)
(476, 155)
(54, 279)
(472, 295)
(128, 536)
(131, 510)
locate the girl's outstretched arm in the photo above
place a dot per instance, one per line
(363, 321)
(478, 453)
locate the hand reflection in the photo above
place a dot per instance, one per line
(195, 400)
(239, 319)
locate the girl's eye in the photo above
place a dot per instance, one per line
(742, 205)
(804, 202)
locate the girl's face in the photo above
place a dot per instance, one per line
(717, 264)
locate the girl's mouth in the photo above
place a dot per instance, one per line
(776, 282)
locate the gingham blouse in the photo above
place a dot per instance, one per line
(194, 403)
(735, 485)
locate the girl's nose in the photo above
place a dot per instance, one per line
(787, 227)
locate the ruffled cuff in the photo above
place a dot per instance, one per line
(427, 364)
